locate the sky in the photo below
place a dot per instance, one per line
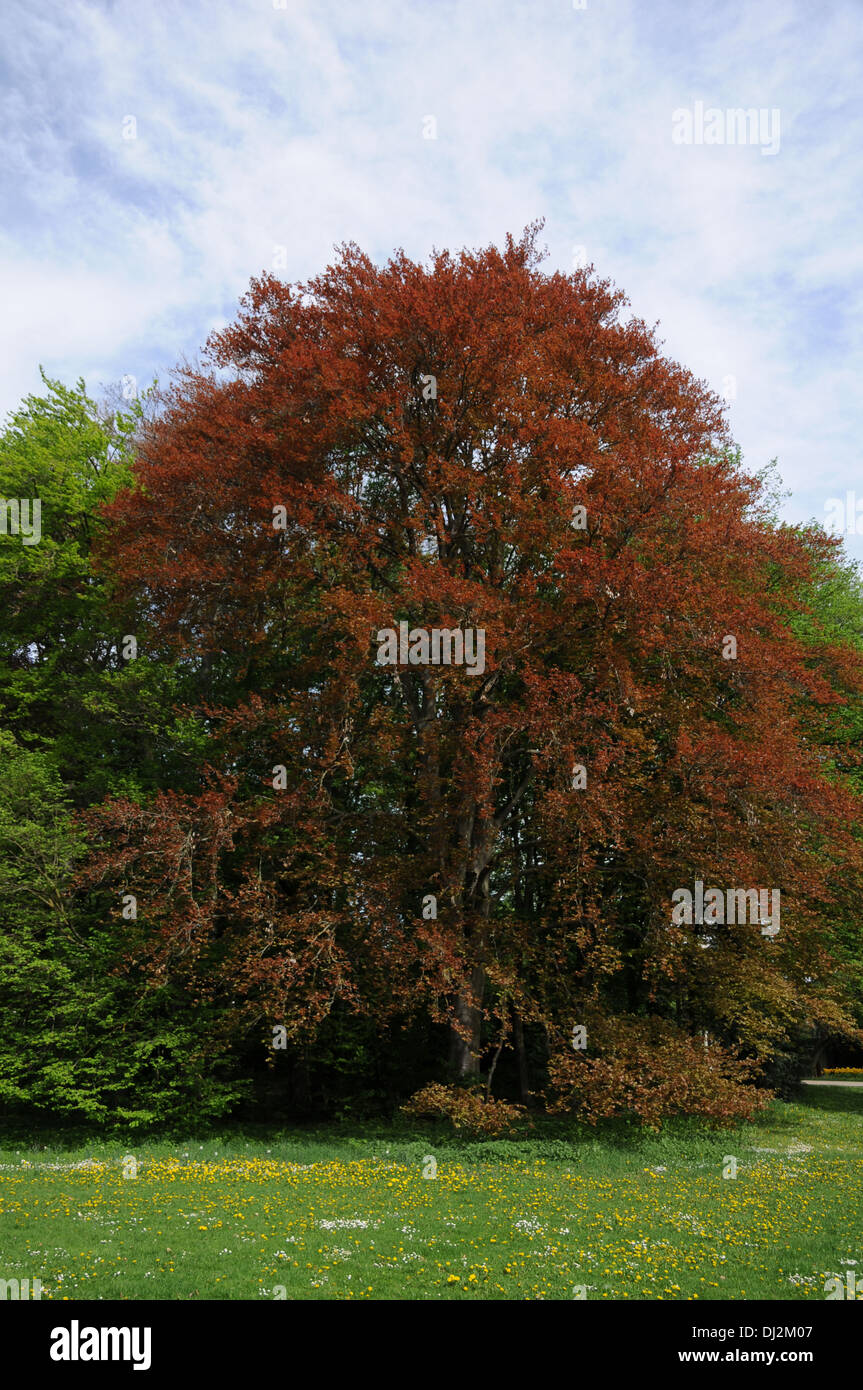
(157, 156)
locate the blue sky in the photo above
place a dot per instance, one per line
(301, 127)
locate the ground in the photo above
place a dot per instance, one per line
(354, 1212)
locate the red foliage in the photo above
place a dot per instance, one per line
(650, 1070)
(466, 1110)
(603, 648)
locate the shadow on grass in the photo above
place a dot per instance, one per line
(399, 1139)
(832, 1099)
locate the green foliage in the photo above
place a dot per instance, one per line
(832, 628)
(65, 686)
(80, 1039)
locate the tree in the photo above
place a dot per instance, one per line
(831, 627)
(78, 721)
(68, 682)
(78, 1038)
(477, 446)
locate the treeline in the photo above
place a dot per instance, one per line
(246, 868)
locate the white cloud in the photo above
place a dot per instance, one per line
(303, 127)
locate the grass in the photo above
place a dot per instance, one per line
(324, 1214)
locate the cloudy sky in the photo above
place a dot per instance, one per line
(158, 155)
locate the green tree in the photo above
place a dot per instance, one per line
(67, 683)
(79, 1038)
(83, 1034)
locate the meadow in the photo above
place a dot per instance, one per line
(354, 1212)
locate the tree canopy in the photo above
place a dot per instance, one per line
(426, 870)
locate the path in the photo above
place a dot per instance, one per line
(831, 1082)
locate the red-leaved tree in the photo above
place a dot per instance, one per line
(477, 446)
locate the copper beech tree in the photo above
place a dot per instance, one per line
(478, 446)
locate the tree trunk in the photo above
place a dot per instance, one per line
(521, 1057)
(478, 837)
(464, 1052)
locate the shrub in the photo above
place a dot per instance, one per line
(651, 1070)
(466, 1110)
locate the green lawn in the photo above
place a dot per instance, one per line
(335, 1215)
